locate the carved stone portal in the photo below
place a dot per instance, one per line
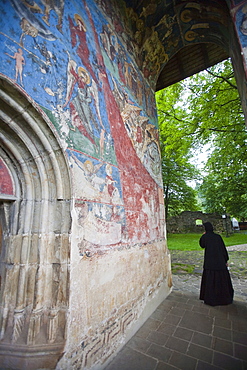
(34, 226)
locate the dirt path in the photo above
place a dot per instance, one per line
(184, 262)
(187, 269)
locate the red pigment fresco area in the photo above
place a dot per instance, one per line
(6, 184)
(135, 180)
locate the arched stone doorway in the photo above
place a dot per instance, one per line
(35, 226)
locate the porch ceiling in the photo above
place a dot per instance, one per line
(188, 61)
(172, 20)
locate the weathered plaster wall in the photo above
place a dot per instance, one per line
(117, 296)
(77, 67)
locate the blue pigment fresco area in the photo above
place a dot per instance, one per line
(241, 23)
(49, 49)
(46, 54)
(40, 52)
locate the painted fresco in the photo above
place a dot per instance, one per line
(157, 30)
(6, 182)
(48, 52)
(146, 32)
(241, 26)
(101, 226)
(74, 63)
(95, 180)
(202, 22)
(93, 69)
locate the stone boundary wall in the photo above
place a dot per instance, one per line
(186, 222)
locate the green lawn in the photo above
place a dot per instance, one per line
(190, 242)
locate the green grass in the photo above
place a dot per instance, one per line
(190, 242)
(182, 268)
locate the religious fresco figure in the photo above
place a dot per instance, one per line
(19, 62)
(99, 224)
(78, 37)
(243, 26)
(121, 61)
(98, 181)
(82, 114)
(111, 189)
(241, 20)
(90, 173)
(27, 29)
(30, 24)
(109, 42)
(58, 7)
(144, 138)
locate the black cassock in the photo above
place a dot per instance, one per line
(216, 285)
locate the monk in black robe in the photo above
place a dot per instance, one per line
(216, 285)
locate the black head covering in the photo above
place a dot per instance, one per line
(208, 226)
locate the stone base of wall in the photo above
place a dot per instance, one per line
(112, 297)
(97, 351)
(151, 306)
(29, 357)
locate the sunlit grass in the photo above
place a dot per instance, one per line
(182, 268)
(190, 242)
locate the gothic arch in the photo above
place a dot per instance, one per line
(35, 223)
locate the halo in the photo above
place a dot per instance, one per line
(84, 71)
(79, 18)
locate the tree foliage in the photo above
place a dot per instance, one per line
(220, 121)
(224, 187)
(175, 150)
(214, 104)
(204, 109)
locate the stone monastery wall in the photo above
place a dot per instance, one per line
(192, 222)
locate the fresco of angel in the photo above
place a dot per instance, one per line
(84, 107)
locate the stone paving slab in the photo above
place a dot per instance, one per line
(184, 333)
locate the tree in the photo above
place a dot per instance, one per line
(179, 196)
(175, 151)
(224, 188)
(217, 118)
(214, 104)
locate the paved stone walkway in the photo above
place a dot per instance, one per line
(184, 333)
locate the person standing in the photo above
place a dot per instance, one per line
(216, 286)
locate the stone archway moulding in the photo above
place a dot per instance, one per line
(35, 222)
